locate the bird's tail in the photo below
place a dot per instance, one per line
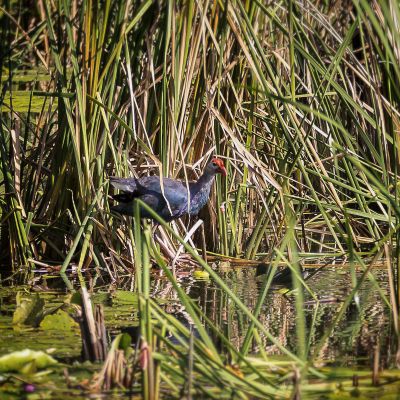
(123, 197)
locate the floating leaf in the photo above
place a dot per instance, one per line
(29, 310)
(201, 275)
(125, 297)
(60, 321)
(25, 361)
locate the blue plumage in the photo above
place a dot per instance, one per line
(150, 190)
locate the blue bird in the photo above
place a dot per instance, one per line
(174, 202)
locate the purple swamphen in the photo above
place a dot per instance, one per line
(149, 190)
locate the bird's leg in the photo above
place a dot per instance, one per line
(187, 238)
(203, 238)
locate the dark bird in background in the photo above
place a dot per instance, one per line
(175, 192)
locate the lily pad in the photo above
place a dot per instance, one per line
(60, 321)
(29, 310)
(125, 297)
(201, 275)
(26, 361)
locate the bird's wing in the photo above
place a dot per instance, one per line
(174, 191)
(149, 189)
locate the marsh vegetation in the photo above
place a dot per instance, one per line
(301, 101)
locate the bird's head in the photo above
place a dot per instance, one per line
(216, 166)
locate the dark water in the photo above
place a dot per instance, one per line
(366, 320)
(363, 324)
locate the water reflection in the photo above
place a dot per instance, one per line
(351, 340)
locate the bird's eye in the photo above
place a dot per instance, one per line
(214, 163)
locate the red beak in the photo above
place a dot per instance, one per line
(222, 170)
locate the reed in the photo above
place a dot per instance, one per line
(279, 90)
(300, 98)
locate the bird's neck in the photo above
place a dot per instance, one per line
(205, 180)
(202, 185)
(200, 192)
